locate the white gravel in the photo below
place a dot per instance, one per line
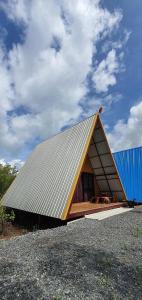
(87, 260)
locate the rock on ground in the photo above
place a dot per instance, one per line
(85, 260)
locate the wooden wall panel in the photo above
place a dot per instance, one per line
(87, 168)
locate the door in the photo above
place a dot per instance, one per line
(87, 186)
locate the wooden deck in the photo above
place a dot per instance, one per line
(85, 208)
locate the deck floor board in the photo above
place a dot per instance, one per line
(84, 208)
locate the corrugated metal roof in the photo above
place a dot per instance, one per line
(44, 183)
(129, 164)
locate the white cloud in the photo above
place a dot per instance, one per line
(2, 161)
(105, 74)
(118, 44)
(18, 163)
(50, 83)
(6, 92)
(127, 134)
(106, 101)
(15, 9)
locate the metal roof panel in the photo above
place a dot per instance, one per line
(44, 183)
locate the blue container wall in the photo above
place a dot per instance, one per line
(129, 165)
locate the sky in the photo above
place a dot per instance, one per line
(60, 61)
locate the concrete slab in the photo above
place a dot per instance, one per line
(108, 213)
(74, 221)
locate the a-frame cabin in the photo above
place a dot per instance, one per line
(67, 175)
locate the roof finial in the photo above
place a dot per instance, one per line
(100, 110)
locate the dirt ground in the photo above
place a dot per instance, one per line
(12, 231)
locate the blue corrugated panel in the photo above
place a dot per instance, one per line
(129, 165)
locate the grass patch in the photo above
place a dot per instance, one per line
(104, 261)
(125, 247)
(104, 281)
(137, 232)
(128, 246)
(138, 275)
(113, 297)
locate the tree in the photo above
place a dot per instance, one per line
(5, 217)
(7, 175)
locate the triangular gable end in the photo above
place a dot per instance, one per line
(106, 175)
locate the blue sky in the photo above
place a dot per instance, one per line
(129, 83)
(60, 61)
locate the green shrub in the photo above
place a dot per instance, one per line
(5, 217)
(7, 175)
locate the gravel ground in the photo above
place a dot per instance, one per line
(87, 259)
